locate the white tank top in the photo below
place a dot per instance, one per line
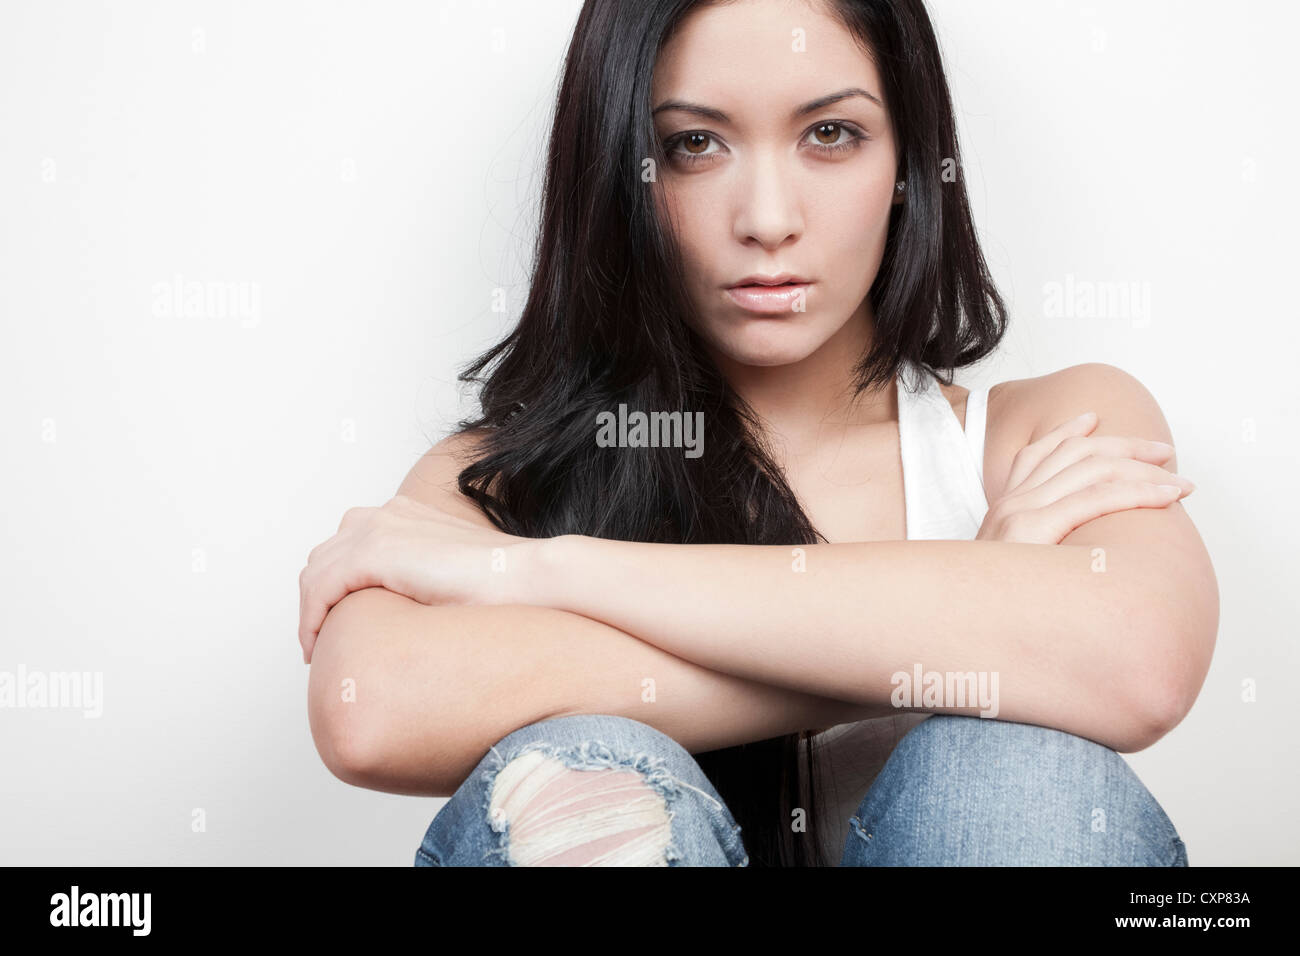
(943, 492)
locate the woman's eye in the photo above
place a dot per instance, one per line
(829, 137)
(694, 145)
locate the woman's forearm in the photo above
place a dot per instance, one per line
(407, 698)
(1068, 645)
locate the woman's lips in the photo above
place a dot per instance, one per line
(768, 299)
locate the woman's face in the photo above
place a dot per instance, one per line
(758, 184)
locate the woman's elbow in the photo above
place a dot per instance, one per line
(343, 729)
(1169, 676)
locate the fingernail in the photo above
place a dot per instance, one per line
(1085, 415)
(1171, 489)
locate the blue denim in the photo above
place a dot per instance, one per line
(970, 791)
(956, 791)
(703, 830)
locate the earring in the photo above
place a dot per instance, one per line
(900, 186)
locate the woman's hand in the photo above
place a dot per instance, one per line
(1066, 479)
(409, 548)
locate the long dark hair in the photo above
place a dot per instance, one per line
(606, 323)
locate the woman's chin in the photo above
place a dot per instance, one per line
(768, 348)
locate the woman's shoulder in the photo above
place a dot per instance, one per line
(1021, 411)
(1031, 407)
(433, 479)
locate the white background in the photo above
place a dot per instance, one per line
(370, 171)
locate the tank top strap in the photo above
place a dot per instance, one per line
(977, 407)
(943, 486)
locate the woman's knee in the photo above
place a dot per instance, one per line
(586, 790)
(975, 791)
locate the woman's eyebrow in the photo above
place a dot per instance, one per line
(718, 116)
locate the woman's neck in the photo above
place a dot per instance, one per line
(797, 403)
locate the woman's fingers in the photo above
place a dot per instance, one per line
(409, 548)
(1071, 442)
(320, 557)
(1029, 457)
(1092, 470)
(1097, 458)
(1078, 448)
(323, 584)
(1067, 478)
(1062, 516)
(316, 595)
(343, 563)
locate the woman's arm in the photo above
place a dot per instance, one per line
(1107, 635)
(1071, 648)
(406, 697)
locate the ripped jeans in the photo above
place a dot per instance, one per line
(599, 790)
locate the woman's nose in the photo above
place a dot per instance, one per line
(767, 206)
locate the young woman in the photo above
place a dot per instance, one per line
(751, 642)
